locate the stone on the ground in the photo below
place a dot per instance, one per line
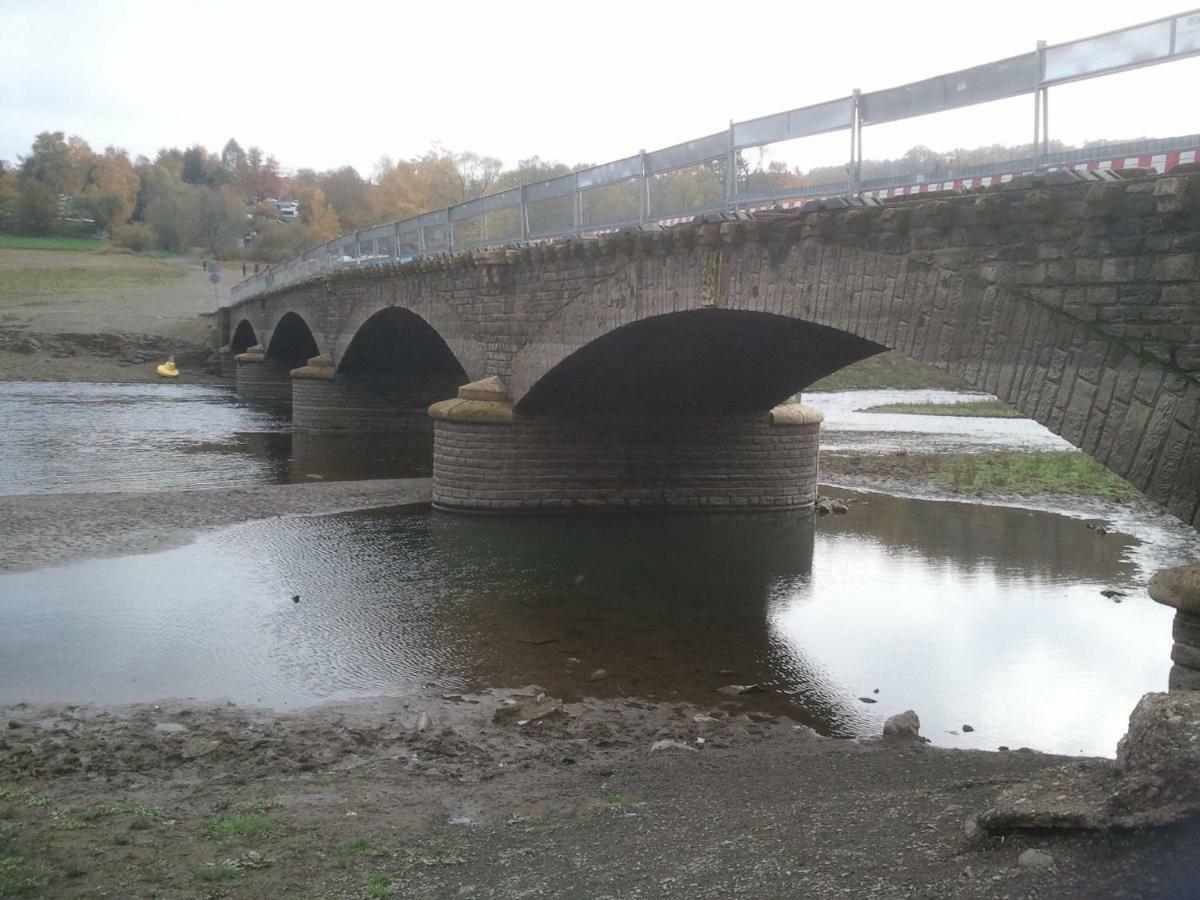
(1178, 587)
(1035, 859)
(838, 507)
(967, 729)
(905, 724)
(528, 709)
(737, 690)
(424, 722)
(598, 675)
(1154, 781)
(671, 745)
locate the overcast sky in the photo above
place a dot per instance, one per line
(324, 84)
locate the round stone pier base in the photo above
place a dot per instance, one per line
(1179, 588)
(489, 459)
(261, 379)
(325, 400)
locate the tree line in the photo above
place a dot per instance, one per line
(219, 201)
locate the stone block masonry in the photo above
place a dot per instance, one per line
(261, 379)
(1073, 297)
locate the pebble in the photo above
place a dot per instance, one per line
(1035, 859)
(598, 675)
(967, 729)
(671, 745)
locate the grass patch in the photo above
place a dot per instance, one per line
(247, 827)
(360, 847)
(1062, 472)
(887, 370)
(989, 409)
(20, 877)
(50, 242)
(119, 840)
(219, 872)
(621, 800)
(32, 283)
(67, 823)
(22, 796)
(108, 810)
(377, 886)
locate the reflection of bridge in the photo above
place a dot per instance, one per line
(639, 368)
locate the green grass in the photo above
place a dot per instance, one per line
(22, 796)
(219, 872)
(887, 370)
(49, 242)
(622, 800)
(360, 847)
(20, 877)
(33, 283)
(990, 409)
(244, 827)
(377, 886)
(1064, 472)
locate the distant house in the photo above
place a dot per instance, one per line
(288, 209)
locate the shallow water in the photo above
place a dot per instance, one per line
(847, 429)
(72, 438)
(969, 614)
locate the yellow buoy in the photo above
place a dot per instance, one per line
(168, 369)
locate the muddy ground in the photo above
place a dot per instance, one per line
(463, 796)
(118, 316)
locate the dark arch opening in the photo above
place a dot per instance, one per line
(292, 341)
(243, 337)
(701, 360)
(397, 342)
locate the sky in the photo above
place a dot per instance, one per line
(322, 85)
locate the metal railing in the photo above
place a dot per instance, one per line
(569, 204)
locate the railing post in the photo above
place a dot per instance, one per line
(577, 204)
(396, 240)
(854, 174)
(524, 211)
(644, 192)
(420, 236)
(1037, 104)
(449, 229)
(731, 173)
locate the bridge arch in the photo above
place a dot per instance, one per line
(838, 301)
(696, 360)
(243, 337)
(292, 340)
(396, 341)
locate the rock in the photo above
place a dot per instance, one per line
(1185, 629)
(1111, 594)
(867, 700)
(737, 690)
(424, 723)
(671, 745)
(839, 508)
(194, 748)
(967, 729)
(1178, 587)
(598, 675)
(529, 709)
(1035, 859)
(1182, 678)
(1185, 655)
(971, 830)
(1154, 781)
(906, 724)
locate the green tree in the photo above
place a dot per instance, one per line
(49, 161)
(37, 207)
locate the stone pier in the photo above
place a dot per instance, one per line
(261, 379)
(489, 457)
(325, 400)
(1179, 588)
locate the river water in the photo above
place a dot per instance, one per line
(970, 614)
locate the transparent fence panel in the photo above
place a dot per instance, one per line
(1123, 108)
(555, 215)
(688, 191)
(612, 205)
(437, 238)
(1127, 47)
(468, 232)
(410, 241)
(503, 225)
(797, 168)
(991, 138)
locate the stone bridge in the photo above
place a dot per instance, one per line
(647, 368)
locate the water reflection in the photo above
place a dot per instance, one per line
(1005, 629)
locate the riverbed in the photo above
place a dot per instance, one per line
(976, 615)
